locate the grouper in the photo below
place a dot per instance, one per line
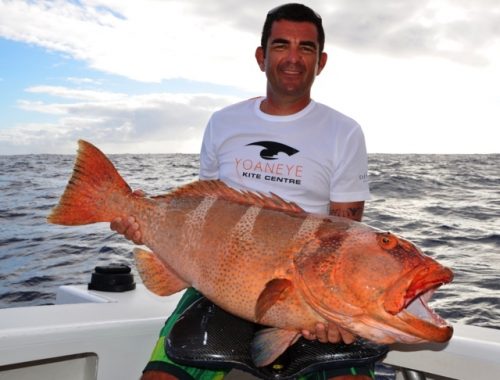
(266, 260)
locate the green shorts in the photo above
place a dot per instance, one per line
(159, 360)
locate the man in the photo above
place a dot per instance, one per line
(284, 143)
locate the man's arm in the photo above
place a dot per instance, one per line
(350, 210)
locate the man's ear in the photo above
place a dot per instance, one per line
(322, 62)
(259, 56)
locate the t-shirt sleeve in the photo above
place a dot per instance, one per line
(209, 165)
(350, 177)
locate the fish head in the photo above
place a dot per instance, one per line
(373, 283)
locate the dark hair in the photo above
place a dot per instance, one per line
(292, 12)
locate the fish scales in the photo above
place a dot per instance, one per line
(274, 241)
(265, 259)
(225, 247)
(243, 237)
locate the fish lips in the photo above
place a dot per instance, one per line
(407, 301)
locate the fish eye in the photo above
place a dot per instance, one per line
(387, 240)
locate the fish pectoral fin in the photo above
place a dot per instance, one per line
(276, 290)
(270, 343)
(156, 275)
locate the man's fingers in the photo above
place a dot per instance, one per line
(137, 238)
(130, 220)
(129, 228)
(308, 335)
(329, 333)
(117, 225)
(347, 337)
(321, 333)
(334, 335)
(139, 193)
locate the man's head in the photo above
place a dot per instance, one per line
(291, 55)
(292, 12)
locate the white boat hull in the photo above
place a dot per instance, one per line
(93, 335)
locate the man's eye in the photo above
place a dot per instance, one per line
(308, 49)
(279, 47)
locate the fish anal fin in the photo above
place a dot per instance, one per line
(222, 191)
(276, 290)
(156, 275)
(268, 344)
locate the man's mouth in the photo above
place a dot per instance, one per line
(292, 70)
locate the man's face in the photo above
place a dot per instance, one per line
(292, 60)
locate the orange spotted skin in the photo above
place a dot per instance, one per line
(262, 258)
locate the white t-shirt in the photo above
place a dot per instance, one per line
(312, 157)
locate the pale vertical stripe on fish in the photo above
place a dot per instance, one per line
(244, 227)
(195, 221)
(308, 227)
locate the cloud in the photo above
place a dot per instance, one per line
(455, 30)
(175, 122)
(72, 93)
(83, 81)
(156, 40)
(145, 41)
(458, 30)
(213, 42)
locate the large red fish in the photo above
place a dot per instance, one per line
(266, 260)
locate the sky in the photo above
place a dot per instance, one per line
(420, 76)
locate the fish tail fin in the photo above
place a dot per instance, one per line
(95, 192)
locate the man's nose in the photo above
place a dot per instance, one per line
(293, 55)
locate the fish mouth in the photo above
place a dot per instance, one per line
(415, 312)
(420, 308)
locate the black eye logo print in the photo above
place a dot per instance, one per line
(272, 148)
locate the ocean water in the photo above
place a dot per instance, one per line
(449, 205)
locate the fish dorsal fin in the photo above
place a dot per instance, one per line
(222, 191)
(155, 275)
(276, 290)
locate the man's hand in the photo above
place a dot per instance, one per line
(329, 333)
(128, 226)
